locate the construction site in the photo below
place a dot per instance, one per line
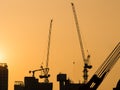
(32, 83)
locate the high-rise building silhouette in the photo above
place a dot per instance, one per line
(3, 76)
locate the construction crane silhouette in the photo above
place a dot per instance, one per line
(104, 69)
(45, 70)
(97, 78)
(33, 72)
(86, 60)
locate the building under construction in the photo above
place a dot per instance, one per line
(31, 83)
(97, 78)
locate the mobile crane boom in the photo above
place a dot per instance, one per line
(86, 60)
(104, 69)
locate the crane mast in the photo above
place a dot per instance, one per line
(86, 60)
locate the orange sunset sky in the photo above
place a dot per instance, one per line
(24, 26)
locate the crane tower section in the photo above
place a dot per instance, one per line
(86, 60)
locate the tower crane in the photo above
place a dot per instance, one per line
(97, 78)
(45, 70)
(86, 60)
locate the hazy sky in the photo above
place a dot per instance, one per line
(24, 26)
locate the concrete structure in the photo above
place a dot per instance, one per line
(31, 83)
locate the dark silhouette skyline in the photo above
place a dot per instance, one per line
(24, 28)
(32, 83)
